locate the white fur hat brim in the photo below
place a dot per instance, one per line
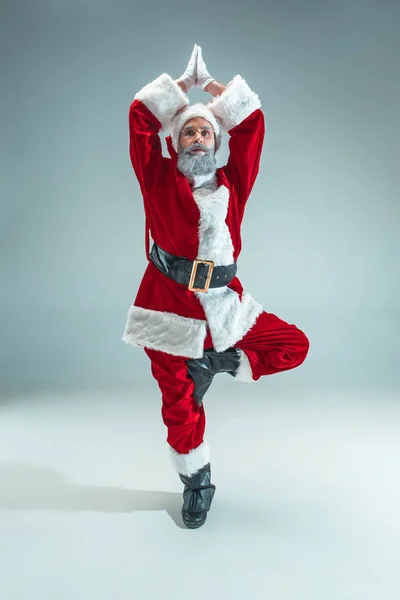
(194, 110)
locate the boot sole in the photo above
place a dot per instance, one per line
(190, 525)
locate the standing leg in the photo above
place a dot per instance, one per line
(270, 346)
(186, 422)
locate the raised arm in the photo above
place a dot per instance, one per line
(238, 109)
(151, 111)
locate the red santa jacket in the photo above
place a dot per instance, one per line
(165, 315)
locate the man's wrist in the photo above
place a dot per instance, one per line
(181, 84)
(215, 88)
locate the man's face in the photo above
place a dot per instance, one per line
(199, 133)
(196, 155)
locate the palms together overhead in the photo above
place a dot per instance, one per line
(203, 77)
(196, 73)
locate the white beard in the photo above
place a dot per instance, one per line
(197, 166)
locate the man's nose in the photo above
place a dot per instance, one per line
(199, 137)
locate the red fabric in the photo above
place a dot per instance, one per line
(185, 421)
(172, 214)
(271, 345)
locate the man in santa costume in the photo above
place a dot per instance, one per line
(191, 314)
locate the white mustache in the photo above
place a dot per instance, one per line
(197, 147)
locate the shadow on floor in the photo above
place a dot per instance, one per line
(26, 486)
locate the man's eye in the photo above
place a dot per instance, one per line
(189, 132)
(206, 133)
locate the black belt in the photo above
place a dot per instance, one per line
(198, 274)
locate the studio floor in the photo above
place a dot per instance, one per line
(307, 503)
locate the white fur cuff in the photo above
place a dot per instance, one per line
(235, 103)
(244, 374)
(189, 464)
(163, 97)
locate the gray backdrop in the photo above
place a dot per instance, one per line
(321, 230)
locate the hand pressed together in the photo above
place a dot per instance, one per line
(196, 73)
(188, 78)
(203, 77)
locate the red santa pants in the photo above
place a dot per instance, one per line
(270, 346)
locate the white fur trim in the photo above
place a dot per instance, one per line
(235, 103)
(168, 332)
(215, 242)
(163, 97)
(189, 464)
(228, 317)
(195, 110)
(244, 374)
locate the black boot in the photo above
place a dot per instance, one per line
(197, 497)
(202, 370)
(223, 362)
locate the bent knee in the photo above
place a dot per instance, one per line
(304, 345)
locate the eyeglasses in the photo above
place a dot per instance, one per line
(190, 132)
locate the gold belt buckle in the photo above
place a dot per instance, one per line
(196, 262)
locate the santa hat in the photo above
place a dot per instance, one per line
(194, 110)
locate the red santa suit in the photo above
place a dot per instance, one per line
(170, 322)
